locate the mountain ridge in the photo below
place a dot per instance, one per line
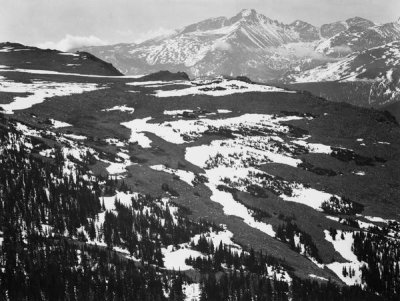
(29, 57)
(249, 44)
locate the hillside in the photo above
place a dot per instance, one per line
(162, 187)
(18, 56)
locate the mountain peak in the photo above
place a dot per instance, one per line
(300, 23)
(246, 15)
(247, 12)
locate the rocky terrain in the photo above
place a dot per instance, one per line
(161, 187)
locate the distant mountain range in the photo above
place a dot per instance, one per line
(248, 44)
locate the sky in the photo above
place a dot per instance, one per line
(64, 24)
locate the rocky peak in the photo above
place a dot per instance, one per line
(247, 16)
(246, 13)
(359, 22)
(307, 32)
(300, 23)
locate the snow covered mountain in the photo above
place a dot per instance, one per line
(359, 34)
(376, 69)
(249, 44)
(332, 29)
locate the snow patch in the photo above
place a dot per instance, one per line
(124, 198)
(343, 246)
(317, 277)
(222, 88)
(123, 108)
(174, 259)
(186, 176)
(176, 112)
(232, 207)
(75, 137)
(39, 91)
(192, 291)
(59, 124)
(119, 168)
(314, 147)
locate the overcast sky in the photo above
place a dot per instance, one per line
(70, 23)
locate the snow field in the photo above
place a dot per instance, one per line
(39, 91)
(343, 246)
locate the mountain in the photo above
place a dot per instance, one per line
(165, 188)
(110, 53)
(26, 57)
(332, 29)
(248, 43)
(359, 35)
(365, 78)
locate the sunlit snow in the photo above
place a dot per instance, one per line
(232, 207)
(180, 131)
(59, 124)
(38, 91)
(223, 111)
(124, 198)
(119, 168)
(225, 87)
(318, 277)
(184, 175)
(76, 137)
(307, 196)
(174, 259)
(176, 112)
(344, 247)
(192, 291)
(123, 108)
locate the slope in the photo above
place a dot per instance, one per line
(15, 55)
(204, 170)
